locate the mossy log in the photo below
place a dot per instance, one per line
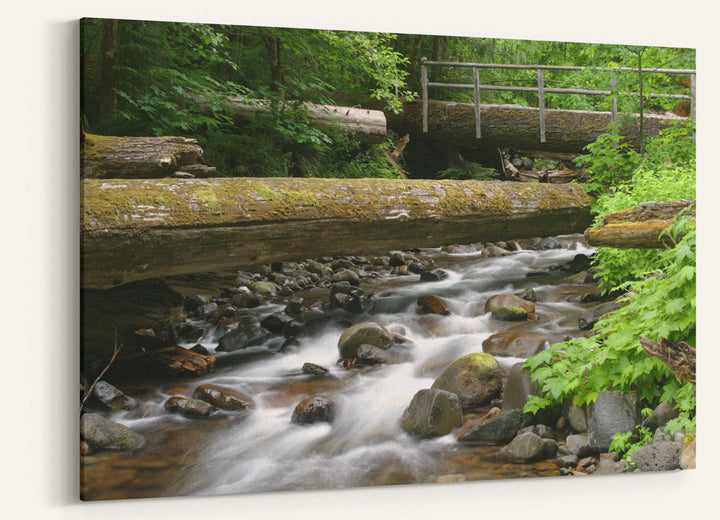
(640, 227)
(137, 229)
(517, 127)
(103, 156)
(366, 125)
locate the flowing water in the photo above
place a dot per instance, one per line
(264, 451)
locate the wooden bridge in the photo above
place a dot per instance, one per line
(479, 129)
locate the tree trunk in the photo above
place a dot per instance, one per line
(640, 226)
(138, 229)
(138, 157)
(678, 357)
(510, 126)
(366, 125)
(108, 57)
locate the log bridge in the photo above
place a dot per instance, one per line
(134, 229)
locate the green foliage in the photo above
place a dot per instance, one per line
(467, 171)
(661, 304)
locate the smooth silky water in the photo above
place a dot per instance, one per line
(264, 451)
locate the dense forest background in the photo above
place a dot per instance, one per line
(158, 78)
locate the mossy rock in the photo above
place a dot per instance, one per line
(500, 301)
(476, 379)
(265, 288)
(510, 314)
(432, 413)
(366, 333)
(102, 434)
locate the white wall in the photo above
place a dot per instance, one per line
(39, 373)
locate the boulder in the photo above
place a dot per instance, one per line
(102, 434)
(246, 301)
(662, 413)
(611, 467)
(280, 323)
(432, 413)
(265, 288)
(510, 314)
(433, 275)
(188, 407)
(500, 301)
(541, 430)
(576, 417)
(432, 305)
(517, 391)
(313, 369)
(189, 332)
(661, 456)
(476, 379)
(248, 333)
(491, 250)
(346, 275)
(366, 333)
(313, 409)
(494, 428)
(223, 398)
(588, 319)
(516, 344)
(611, 413)
(111, 397)
(528, 447)
(687, 459)
(397, 258)
(579, 445)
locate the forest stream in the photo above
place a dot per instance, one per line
(263, 450)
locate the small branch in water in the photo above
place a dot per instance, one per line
(99, 377)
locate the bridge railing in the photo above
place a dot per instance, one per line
(541, 89)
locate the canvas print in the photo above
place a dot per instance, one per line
(319, 259)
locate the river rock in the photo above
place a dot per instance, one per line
(612, 412)
(189, 332)
(341, 263)
(661, 456)
(346, 275)
(687, 459)
(246, 301)
(579, 444)
(432, 413)
(527, 294)
(516, 344)
(432, 305)
(248, 333)
(491, 250)
(369, 333)
(662, 413)
(496, 427)
(476, 379)
(111, 397)
(500, 301)
(188, 407)
(397, 258)
(548, 243)
(279, 323)
(528, 447)
(433, 275)
(315, 267)
(195, 301)
(314, 370)
(588, 319)
(103, 434)
(510, 314)
(541, 430)
(611, 467)
(317, 408)
(265, 288)
(576, 417)
(223, 398)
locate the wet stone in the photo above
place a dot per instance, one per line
(188, 407)
(314, 409)
(313, 369)
(223, 398)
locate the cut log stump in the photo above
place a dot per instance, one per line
(641, 226)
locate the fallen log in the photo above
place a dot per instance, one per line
(366, 125)
(517, 127)
(104, 156)
(678, 357)
(139, 229)
(641, 226)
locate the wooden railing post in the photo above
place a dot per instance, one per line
(424, 83)
(541, 103)
(476, 84)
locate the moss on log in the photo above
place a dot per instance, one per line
(639, 227)
(137, 229)
(103, 156)
(514, 126)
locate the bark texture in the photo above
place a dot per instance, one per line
(678, 357)
(138, 229)
(640, 226)
(103, 156)
(567, 131)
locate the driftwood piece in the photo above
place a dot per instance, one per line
(173, 360)
(678, 357)
(103, 156)
(640, 226)
(139, 229)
